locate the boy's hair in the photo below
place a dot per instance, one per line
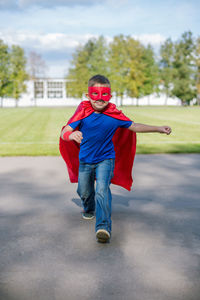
(98, 79)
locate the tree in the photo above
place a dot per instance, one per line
(166, 66)
(18, 73)
(4, 71)
(87, 61)
(36, 65)
(97, 63)
(184, 85)
(126, 66)
(133, 70)
(117, 66)
(198, 69)
(36, 68)
(136, 68)
(151, 72)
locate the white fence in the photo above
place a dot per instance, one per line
(26, 101)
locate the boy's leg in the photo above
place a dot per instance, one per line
(86, 186)
(104, 174)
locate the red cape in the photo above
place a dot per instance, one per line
(124, 141)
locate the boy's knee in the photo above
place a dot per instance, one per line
(83, 194)
(102, 188)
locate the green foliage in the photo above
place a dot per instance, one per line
(4, 69)
(197, 61)
(18, 73)
(118, 65)
(184, 72)
(166, 66)
(12, 71)
(126, 66)
(151, 72)
(133, 70)
(130, 66)
(87, 61)
(178, 68)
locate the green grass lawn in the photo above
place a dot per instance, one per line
(35, 131)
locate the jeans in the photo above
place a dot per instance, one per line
(101, 198)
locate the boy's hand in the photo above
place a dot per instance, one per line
(164, 129)
(76, 136)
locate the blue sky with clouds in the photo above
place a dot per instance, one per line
(55, 28)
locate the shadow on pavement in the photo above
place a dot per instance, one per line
(49, 252)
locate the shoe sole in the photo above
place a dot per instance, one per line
(88, 218)
(102, 236)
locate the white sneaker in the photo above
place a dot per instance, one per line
(102, 236)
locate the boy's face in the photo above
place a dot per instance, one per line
(101, 94)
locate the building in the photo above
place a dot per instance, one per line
(44, 92)
(49, 88)
(50, 92)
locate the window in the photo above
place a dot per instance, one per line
(38, 89)
(55, 85)
(54, 89)
(54, 94)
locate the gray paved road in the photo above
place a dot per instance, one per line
(49, 253)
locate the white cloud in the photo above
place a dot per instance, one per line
(153, 39)
(45, 42)
(61, 41)
(57, 48)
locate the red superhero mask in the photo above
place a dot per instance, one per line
(99, 93)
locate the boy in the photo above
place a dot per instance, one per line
(107, 142)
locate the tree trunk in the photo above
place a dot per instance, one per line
(198, 99)
(166, 98)
(121, 100)
(1, 102)
(148, 99)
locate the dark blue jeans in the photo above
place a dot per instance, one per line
(100, 198)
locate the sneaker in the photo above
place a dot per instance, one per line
(102, 235)
(88, 215)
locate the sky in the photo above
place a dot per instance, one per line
(54, 29)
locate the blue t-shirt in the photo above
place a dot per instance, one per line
(98, 131)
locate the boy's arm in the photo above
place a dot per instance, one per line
(137, 127)
(67, 134)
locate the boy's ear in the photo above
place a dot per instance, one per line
(87, 95)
